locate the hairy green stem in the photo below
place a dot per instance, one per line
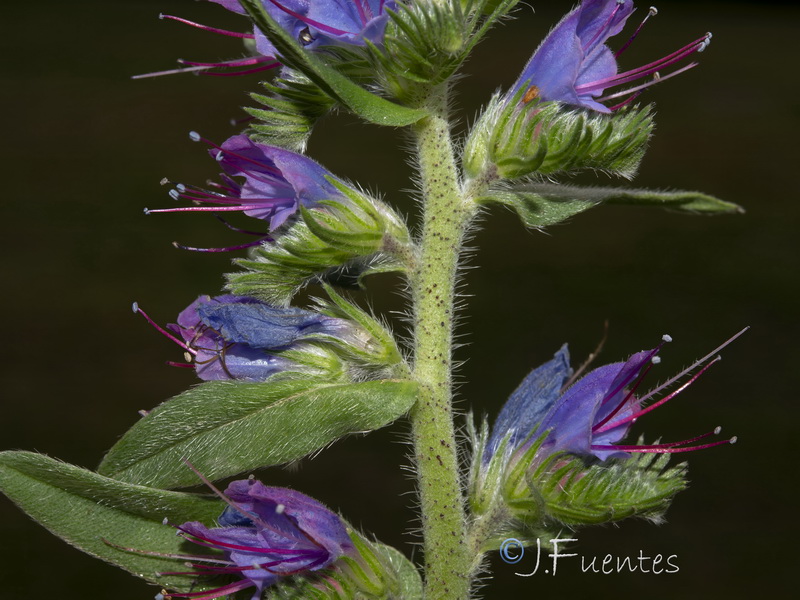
(446, 217)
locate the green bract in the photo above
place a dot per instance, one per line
(516, 138)
(329, 236)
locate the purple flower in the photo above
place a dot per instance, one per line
(529, 403)
(319, 23)
(234, 337)
(275, 182)
(238, 66)
(314, 23)
(266, 533)
(573, 65)
(591, 416)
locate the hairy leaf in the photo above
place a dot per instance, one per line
(543, 204)
(225, 428)
(101, 516)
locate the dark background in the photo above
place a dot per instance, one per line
(84, 148)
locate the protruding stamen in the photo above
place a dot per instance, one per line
(245, 231)
(194, 136)
(705, 44)
(643, 71)
(693, 366)
(666, 337)
(226, 249)
(206, 27)
(223, 497)
(169, 72)
(669, 448)
(625, 102)
(600, 428)
(656, 79)
(312, 22)
(163, 331)
(264, 62)
(607, 24)
(650, 13)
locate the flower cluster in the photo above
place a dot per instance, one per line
(265, 533)
(235, 337)
(574, 65)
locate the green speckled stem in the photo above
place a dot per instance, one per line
(446, 217)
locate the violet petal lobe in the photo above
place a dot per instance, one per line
(570, 419)
(574, 52)
(321, 23)
(267, 533)
(260, 325)
(276, 180)
(529, 403)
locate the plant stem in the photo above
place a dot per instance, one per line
(445, 220)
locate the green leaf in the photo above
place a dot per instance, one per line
(543, 204)
(225, 428)
(84, 509)
(409, 580)
(365, 104)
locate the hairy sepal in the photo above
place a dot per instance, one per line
(375, 351)
(327, 77)
(290, 107)
(374, 572)
(513, 139)
(426, 42)
(575, 494)
(333, 234)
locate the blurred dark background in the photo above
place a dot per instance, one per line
(84, 150)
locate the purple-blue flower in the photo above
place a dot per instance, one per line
(592, 415)
(234, 337)
(319, 23)
(313, 23)
(265, 533)
(264, 182)
(529, 403)
(573, 64)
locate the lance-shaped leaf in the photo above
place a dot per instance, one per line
(365, 104)
(543, 204)
(225, 428)
(101, 516)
